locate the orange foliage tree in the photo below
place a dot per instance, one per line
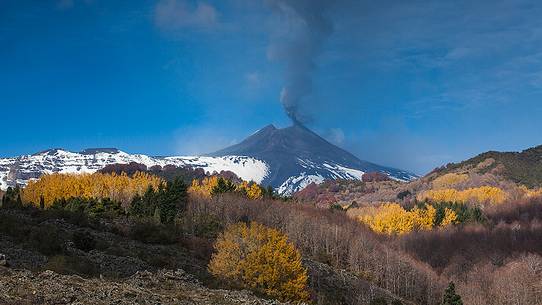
(262, 259)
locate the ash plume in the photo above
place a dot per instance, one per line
(304, 28)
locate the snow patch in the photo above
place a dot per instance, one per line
(20, 170)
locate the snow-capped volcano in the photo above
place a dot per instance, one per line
(287, 159)
(296, 157)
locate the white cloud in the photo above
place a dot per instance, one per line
(179, 14)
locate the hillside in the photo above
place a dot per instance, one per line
(510, 171)
(297, 157)
(523, 167)
(287, 159)
(19, 170)
(60, 256)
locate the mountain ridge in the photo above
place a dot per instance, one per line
(288, 159)
(297, 156)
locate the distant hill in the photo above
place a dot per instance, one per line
(523, 167)
(505, 170)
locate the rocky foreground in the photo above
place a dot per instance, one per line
(163, 287)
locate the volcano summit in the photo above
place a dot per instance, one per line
(296, 157)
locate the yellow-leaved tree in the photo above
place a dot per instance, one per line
(449, 180)
(450, 218)
(483, 194)
(121, 188)
(252, 190)
(389, 218)
(203, 187)
(256, 257)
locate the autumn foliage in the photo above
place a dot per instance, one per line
(214, 185)
(449, 180)
(120, 188)
(262, 259)
(483, 194)
(391, 218)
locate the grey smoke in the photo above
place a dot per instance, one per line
(304, 29)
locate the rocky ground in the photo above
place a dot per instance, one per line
(163, 287)
(43, 261)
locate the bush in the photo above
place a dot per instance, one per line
(262, 259)
(47, 240)
(84, 241)
(71, 265)
(153, 233)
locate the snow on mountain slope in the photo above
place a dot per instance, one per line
(296, 157)
(287, 159)
(19, 170)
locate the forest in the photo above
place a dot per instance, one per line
(444, 240)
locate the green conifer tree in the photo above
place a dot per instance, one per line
(450, 297)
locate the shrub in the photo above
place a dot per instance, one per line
(84, 241)
(262, 259)
(153, 233)
(71, 265)
(47, 240)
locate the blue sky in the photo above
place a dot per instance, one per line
(411, 85)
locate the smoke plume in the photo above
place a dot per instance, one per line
(298, 41)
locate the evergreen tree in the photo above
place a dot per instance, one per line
(42, 202)
(450, 297)
(173, 200)
(223, 186)
(19, 202)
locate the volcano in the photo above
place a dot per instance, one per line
(287, 159)
(296, 157)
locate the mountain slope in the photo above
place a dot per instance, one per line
(287, 159)
(297, 157)
(523, 167)
(19, 170)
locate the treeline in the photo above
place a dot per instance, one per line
(200, 182)
(216, 185)
(117, 187)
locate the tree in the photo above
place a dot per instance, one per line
(223, 186)
(450, 297)
(173, 200)
(262, 259)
